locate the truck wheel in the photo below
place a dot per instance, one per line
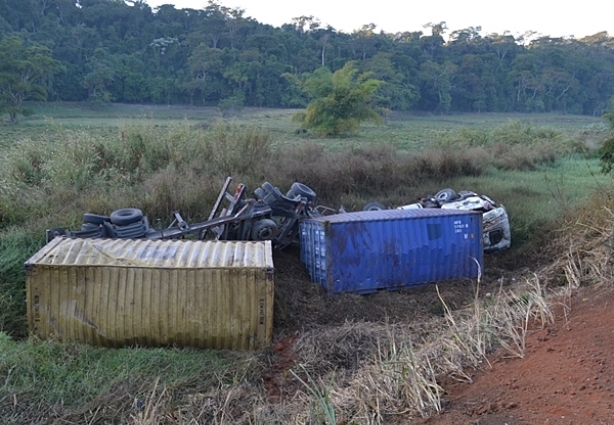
(445, 195)
(374, 206)
(264, 230)
(126, 216)
(299, 189)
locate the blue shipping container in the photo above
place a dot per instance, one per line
(366, 251)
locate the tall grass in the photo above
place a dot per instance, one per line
(381, 170)
(513, 146)
(396, 365)
(162, 169)
(537, 200)
(16, 246)
(104, 384)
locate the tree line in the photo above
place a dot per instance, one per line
(123, 51)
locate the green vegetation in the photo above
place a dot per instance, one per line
(536, 199)
(78, 377)
(24, 71)
(543, 168)
(607, 150)
(123, 51)
(16, 246)
(340, 101)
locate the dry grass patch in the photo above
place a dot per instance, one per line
(373, 372)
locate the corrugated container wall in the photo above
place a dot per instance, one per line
(366, 251)
(117, 292)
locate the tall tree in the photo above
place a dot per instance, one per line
(25, 74)
(101, 73)
(397, 93)
(203, 61)
(436, 87)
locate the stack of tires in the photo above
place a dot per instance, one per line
(125, 223)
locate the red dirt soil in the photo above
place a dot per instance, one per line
(566, 376)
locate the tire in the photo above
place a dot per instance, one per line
(268, 187)
(264, 230)
(131, 231)
(95, 218)
(374, 206)
(260, 193)
(126, 216)
(128, 231)
(89, 227)
(445, 195)
(299, 189)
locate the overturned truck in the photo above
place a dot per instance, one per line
(496, 232)
(274, 216)
(270, 216)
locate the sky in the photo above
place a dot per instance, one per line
(554, 18)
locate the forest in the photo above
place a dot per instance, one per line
(104, 51)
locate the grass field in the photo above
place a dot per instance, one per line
(402, 130)
(68, 159)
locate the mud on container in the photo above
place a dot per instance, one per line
(367, 251)
(118, 292)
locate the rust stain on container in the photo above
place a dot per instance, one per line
(116, 292)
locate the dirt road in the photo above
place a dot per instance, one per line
(565, 378)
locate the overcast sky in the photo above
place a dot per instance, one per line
(556, 18)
